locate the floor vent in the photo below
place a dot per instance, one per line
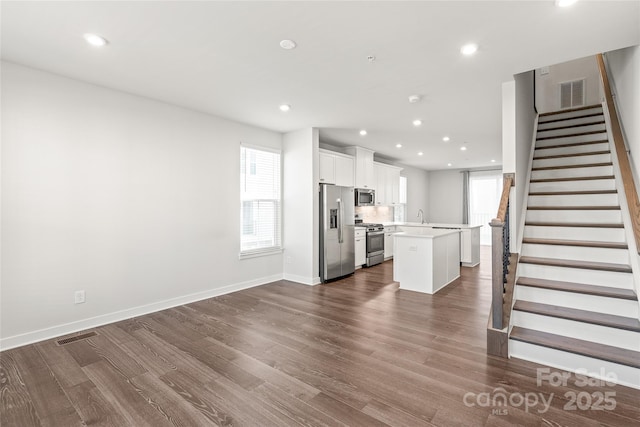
(76, 338)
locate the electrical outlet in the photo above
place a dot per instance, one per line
(288, 260)
(79, 297)
(544, 71)
(413, 248)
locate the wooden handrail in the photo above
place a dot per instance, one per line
(623, 159)
(504, 199)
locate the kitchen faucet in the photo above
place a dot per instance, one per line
(421, 216)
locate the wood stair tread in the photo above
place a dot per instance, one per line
(572, 144)
(574, 208)
(560, 156)
(585, 116)
(571, 193)
(574, 178)
(580, 288)
(570, 135)
(609, 353)
(574, 224)
(569, 263)
(583, 243)
(571, 110)
(599, 122)
(573, 166)
(584, 316)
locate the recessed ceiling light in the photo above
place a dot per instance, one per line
(463, 148)
(449, 164)
(469, 49)
(493, 160)
(285, 107)
(95, 40)
(420, 153)
(565, 3)
(363, 132)
(288, 44)
(417, 122)
(371, 58)
(445, 139)
(414, 98)
(398, 145)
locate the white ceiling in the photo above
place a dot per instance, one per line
(224, 58)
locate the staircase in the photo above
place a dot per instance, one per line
(575, 304)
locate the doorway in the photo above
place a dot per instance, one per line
(485, 188)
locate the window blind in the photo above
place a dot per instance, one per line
(260, 201)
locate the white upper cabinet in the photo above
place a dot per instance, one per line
(345, 173)
(387, 184)
(327, 169)
(365, 176)
(335, 168)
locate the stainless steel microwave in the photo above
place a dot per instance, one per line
(365, 197)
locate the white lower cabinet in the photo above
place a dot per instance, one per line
(361, 246)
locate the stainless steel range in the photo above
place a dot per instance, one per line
(375, 243)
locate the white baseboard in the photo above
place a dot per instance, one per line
(311, 281)
(104, 319)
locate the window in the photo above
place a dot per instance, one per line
(260, 201)
(485, 189)
(400, 210)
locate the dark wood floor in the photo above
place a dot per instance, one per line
(357, 352)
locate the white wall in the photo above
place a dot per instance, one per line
(417, 192)
(548, 86)
(133, 200)
(301, 198)
(624, 69)
(525, 121)
(445, 197)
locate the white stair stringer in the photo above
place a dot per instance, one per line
(625, 375)
(576, 308)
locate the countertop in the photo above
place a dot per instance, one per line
(431, 225)
(426, 233)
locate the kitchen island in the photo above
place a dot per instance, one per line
(426, 259)
(469, 238)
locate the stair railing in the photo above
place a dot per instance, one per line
(629, 185)
(500, 253)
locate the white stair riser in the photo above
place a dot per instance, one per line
(570, 122)
(577, 216)
(578, 275)
(589, 148)
(573, 172)
(571, 130)
(575, 200)
(576, 233)
(576, 253)
(571, 139)
(579, 330)
(598, 304)
(570, 114)
(583, 185)
(575, 160)
(626, 375)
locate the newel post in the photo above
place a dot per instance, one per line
(497, 272)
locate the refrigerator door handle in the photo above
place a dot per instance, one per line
(340, 221)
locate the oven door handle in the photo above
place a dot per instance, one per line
(374, 233)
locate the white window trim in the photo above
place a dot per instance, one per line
(255, 253)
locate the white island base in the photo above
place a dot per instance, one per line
(426, 259)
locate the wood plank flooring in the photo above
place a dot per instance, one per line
(356, 352)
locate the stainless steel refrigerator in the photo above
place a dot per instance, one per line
(337, 244)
